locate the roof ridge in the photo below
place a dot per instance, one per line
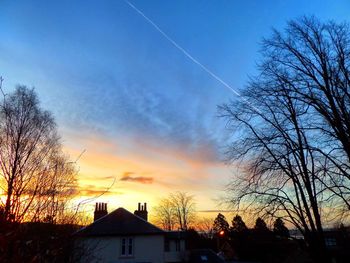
(145, 220)
(112, 218)
(95, 221)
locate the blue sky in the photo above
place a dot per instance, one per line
(110, 78)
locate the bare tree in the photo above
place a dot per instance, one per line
(184, 208)
(205, 227)
(35, 175)
(165, 214)
(312, 60)
(53, 203)
(176, 211)
(294, 160)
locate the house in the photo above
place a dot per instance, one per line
(122, 236)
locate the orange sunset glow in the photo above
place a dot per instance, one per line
(127, 172)
(184, 131)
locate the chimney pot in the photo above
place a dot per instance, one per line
(100, 210)
(142, 211)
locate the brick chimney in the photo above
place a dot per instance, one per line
(142, 211)
(100, 210)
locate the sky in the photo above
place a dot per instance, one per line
(140, 113)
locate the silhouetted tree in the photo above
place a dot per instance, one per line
(35, 176)
(293, 130)
(260, 225)
(184, 207)
(220, 224)
(38, 183)
(311, 63)
(195, 240)
(238, 225)
(280, 229)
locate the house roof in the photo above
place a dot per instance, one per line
(120, 222)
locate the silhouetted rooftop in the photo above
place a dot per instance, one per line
(120, 222)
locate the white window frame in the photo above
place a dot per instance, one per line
(125, 245)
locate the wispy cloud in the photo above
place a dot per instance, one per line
(143, 168)
(217, 211)
(92, 190)
(129, 176)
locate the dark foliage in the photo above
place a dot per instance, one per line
(220, 224)
(36, 242)
(196, 241)
(260, 226)
(279, 228)
(238, 225)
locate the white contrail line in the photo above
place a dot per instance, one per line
(188, 54)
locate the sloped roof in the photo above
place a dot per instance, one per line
(120, 222)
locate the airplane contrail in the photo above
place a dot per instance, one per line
(194, 60)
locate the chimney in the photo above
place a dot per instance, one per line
(142, 211)
(100, 210)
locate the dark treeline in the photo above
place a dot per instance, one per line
(235, 241)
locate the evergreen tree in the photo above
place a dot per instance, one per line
(220, 224)
(238, 225)
(280, 229)
(260, 225)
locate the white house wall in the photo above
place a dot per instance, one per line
(108, 249)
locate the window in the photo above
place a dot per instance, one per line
(127, 247)
(130, 246)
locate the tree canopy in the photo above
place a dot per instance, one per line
(292, 128)
(177, 211)
(280, 229)
(260, 225)
(220, 224)
(36, 177)
(238, 225)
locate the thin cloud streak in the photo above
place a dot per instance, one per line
(194, 60)
(217, 211)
